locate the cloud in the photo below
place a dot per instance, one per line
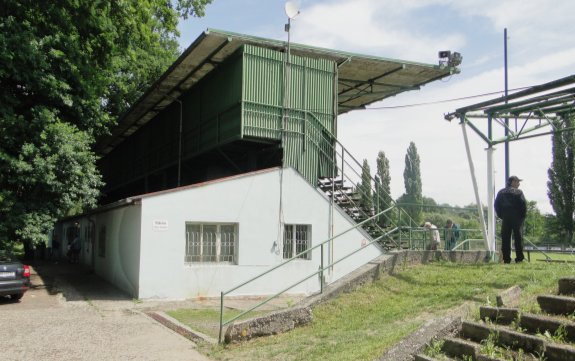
(372, 27)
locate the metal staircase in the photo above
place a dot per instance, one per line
(344, 188)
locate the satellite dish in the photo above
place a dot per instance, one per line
(291, 9)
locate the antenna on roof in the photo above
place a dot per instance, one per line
(291, 9)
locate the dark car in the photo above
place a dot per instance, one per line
(14, 277)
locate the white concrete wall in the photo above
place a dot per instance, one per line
(253, 202)
(120, 264)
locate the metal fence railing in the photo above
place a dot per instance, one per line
(323, 267)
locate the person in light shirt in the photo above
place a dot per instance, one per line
(435, 239)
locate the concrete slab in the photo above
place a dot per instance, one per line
(500, 315)
(509, 298)
(567, 286)
(557, 305)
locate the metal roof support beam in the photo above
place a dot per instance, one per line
(568, 93)
(370, 81)
(474, 181)
(544, 103)
(533, 90)
(475, 129)
(535, 135)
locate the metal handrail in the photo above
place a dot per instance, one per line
(332, 156)
(547, 258)
(332, 138)
(465, 241)
(322, 268)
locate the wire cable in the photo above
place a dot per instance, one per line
(442, 101)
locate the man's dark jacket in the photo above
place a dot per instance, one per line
(510, 204)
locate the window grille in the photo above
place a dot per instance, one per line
(207, 243)
(297, 239)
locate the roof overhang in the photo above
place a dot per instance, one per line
(362, 79)
(533, 111)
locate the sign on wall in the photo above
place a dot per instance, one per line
(160, 225)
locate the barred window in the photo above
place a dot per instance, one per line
(297, 239)
(210, 242)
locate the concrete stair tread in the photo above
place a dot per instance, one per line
(567, 286)
(506, 336)
(548, 336)
(499, 315)
(456, 347)
(422, 357)
(540, 323)
(557, 305)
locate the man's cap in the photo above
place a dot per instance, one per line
(514, 178)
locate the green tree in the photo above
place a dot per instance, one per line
(560, 187)
(383, 198)
(534, 223)
(364, 189)
(412, 181)
(69, 69)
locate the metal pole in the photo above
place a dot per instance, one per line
(490, 196)
(221, 316)
(321, 273)
(506, 119)
(475, 189)
(490, 200)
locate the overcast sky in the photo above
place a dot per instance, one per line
(541, 48)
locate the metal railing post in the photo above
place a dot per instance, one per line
(321, 273)
(221, 316)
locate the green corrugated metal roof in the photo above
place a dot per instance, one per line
(363, 79)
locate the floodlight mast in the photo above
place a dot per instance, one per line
(291, 11)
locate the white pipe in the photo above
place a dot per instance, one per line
(490, 200)
(475, 189)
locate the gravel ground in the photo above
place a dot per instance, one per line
(61, 319)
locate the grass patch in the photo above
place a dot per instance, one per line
(207, 321)
(362, 325)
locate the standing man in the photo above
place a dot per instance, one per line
(511, 207)
(451, 234)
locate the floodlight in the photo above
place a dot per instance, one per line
(291, 9)
(448, 58)
(444, 54)
(455, 59)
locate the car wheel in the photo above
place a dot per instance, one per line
(16, 296)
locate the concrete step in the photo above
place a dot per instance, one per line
(541, 323)
(457, 347)
(421, 357)
(559, 352)
(514, 340)
(499, 315)
(567, 286)
(505, 337)
(557, 305)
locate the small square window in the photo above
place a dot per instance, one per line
(297, 239)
